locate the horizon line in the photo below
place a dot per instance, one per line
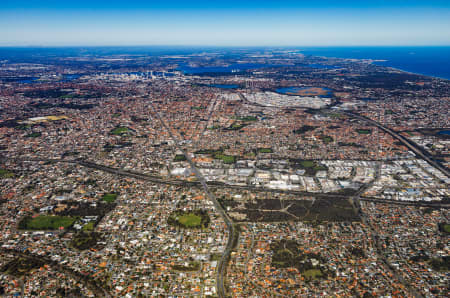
(221, 46)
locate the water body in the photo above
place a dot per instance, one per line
(236, 67)
(295, 90)
(33, 80)
(430, 61)
(444, 132)
(224, 86)
(22, 80)
(369, 99)
(148, 74)
(70, 77)
(322, 66)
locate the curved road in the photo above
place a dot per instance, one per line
(86, 280)
(409, 144)
(233, 233)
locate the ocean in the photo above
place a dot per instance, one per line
(426, 60)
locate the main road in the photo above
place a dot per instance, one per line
(87, 280)
(233, 233)
(213, 184)
(409, 144)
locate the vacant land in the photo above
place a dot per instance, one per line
(326, 139)
(236, 126)
(33, 135)
(121, 130)
(444, 227)
(303, 129)
(441, 264)
(179, 157)
(246, 118)
(311, 167)
(307, 164)
(192, 266)
(218, 154)
(46, 222)
(364, 131)
(289, 254)
(321, 210)
(21, 266)
(85, 240)
(228, 159)
(208, 151)
(189, 219)
(109, 197)
(447, 228)
(265, 150)
(6, 174)
(312, 273)
(89, 226)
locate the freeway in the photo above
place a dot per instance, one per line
(214, 185)
(232, 227)
(179, 182)
(409, 144)
(407, 203)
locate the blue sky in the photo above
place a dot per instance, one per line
(224, 23)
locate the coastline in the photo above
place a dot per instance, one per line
(374, 61)
(415, 73)
(428, 61)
